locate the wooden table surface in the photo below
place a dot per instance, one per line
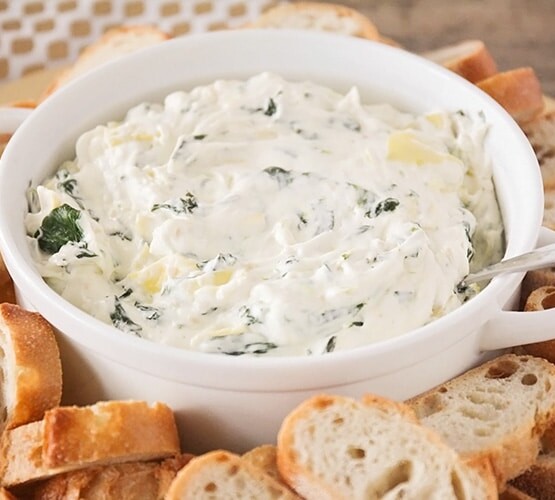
(517, 32)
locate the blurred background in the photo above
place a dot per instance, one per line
(35, 35)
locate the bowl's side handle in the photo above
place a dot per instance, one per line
(513, 328)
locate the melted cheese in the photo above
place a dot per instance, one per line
(271, 217)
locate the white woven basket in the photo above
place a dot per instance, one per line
(45, 34)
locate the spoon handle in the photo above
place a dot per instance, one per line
(536, 259)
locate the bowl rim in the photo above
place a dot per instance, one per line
(53, 307)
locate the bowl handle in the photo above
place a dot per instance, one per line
(513, 328)
(11, 118)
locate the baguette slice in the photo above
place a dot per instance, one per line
(70, 438)
(540, 299)
(220, 475)
(114, 43)
(333, 447)
(518, 91)
(539, 480)
(470, 58)
(30, 367)
(536, 279)
(498, 411)
(318, 16)
(128, 481)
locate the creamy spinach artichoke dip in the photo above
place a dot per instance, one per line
(267, 217)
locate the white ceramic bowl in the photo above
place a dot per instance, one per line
(236, 402)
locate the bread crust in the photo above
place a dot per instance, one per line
(277, 17)
(534, 280)
(297, 471)
(211, 475)
(518, 91)
(32, 381)
(70, 438)
(540, 299)
(461, 409)
(108, 430)
(140, 480)
(470, 59)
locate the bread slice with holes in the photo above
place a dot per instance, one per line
(128, 481)
(71, 437)
(334, 447)
(113, 44)
(31, 370)
(534, 280)
(470, 59)
(497, 411)
(220, 474)
(540, 299)
(319, 17)
(518, 91)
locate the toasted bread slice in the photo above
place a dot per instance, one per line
(318, 16)
(70, 438)
(539, 480)
(7, 291)
(534, 280)
(221, 474)
(30, 366)
(333, 447)
(540, 299)
(497, 411)
(128, 481)
(518, 91)
(114, 43)
(470, 58)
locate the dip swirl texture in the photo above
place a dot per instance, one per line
(267, 217)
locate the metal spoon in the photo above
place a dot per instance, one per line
(536, 259)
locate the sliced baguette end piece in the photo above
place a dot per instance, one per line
(221, 474)
(71, 438)
(31, 366)
(518, 91)
(144, 480)
(470, 59)
(474, 416)
(336, 447)
(318, 16)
